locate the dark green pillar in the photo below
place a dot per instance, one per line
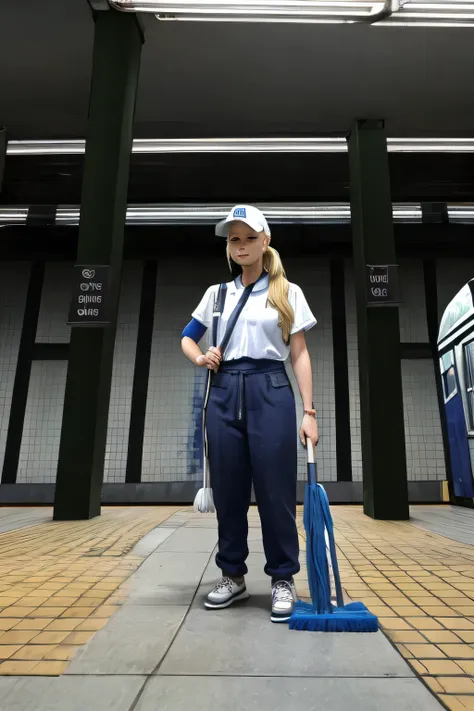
(116, 61)
(381, 398)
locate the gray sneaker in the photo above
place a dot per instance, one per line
(283, 600)
(225, 594)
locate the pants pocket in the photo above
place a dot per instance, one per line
(279, 380)
(221, 389)
(279, 390)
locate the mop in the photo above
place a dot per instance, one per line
(321, 615)
(204, 501)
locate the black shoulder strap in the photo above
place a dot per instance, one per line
(220, 301)
(234, 316)
(218, 309)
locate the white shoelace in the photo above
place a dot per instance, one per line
(224, 584)
(282, 592)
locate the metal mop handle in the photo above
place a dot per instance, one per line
(328, 524)
(218, 309)
(312, 478)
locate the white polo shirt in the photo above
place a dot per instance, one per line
(256, 333)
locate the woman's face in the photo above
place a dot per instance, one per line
(245, 245)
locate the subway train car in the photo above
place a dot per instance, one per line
(456, 360)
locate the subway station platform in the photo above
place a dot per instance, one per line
(107, 614)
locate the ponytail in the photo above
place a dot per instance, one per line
(278, 291)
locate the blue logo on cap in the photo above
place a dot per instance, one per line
(240, 212)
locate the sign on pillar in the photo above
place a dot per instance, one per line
(383, 287)
(89, 303)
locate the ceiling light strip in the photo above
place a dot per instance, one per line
(369, 7)
(13, 215)
(391, 12)
(154, 6)
(291, 213)
(461, 214)
(243, 145)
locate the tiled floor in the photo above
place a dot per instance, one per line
(421, 586)
(58, 583)
(162, 649)
(61, 582)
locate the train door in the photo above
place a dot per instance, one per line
(463, 483)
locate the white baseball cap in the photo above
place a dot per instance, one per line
(249, 214)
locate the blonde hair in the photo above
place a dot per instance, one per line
(277, 290)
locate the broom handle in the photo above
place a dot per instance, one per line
(311, 466)
(204, 437)
(218, 308)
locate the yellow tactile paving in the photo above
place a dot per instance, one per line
(421, 586)
(59, 584)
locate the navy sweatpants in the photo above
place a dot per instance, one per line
(251, 429)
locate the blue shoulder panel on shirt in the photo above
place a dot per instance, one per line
(195, 330)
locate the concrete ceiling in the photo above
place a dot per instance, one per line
(199, 79)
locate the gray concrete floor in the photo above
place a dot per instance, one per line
(163, 651)
(22, 517)
(451, 521)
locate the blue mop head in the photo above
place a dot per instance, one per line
(354, 617)
(321, 615)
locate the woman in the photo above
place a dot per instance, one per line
(251, 417)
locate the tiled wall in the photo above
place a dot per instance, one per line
(42, 426)
(412, 311)
(423, 435)
(13, 288)
(314, 279)
(54, 307)
(171, 443)
(40, 441)
(172, 429)
(43, 416)
(353, 370)
(122, 378)
(425, 455)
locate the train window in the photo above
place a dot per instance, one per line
(448, 375)
(449, 383)
(469, 365)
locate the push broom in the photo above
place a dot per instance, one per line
(321, 615)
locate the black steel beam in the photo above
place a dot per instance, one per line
(141, 374)
(341, 371)
(22, 375)
(381, 397)
(116, 61)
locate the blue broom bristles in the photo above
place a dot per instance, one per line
(317, 562)
(321, 615)
(354, 617)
